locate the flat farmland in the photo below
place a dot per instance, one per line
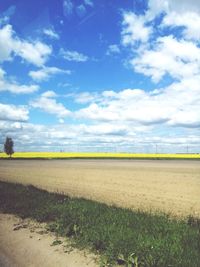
(171, 186)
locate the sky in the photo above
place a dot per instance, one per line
(100, 75)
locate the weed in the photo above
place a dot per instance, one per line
(56, 242)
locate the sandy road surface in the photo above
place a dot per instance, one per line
(171, 186)
(27, 247)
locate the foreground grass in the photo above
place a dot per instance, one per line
(60, 155)
(118, 235)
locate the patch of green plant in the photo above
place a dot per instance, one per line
(56, 242)
(119, 236)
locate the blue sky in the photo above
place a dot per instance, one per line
(100, 75)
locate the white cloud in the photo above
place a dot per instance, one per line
(88, 3)
(51, 34)
(80, 9)
(178, 6)
(47, 103)
(68, 8)
(178, 13)
(45, 73)
(164, 54)
(179, 59)
(107, 129)
(113, 49)
(186, 118)
(85, 97)
(13, 113)
(73, 56)
(96, 137)
(130, 119)
(189, 20)
(33, 52)
(134, 29)
(6, 43)
(14, 87)
(2, 74)
(167, 106)
(61, 121)
(49, 94)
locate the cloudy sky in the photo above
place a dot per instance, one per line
(91, 75)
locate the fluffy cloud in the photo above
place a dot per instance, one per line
(47, 103)
(14, 87)
(88, 3)
(67, 8)
(17, 88)
(178, 14)
(103, 137)
(167, 6)
(49, 94)
(6, 43)
(2, 74)
(80, 9)
(73, 56)
(51, 34)
(45, 73)
(134, 29)
(33, 52)
(178, 58)
(113, 49)
(176, 105)
(129, 119)
(13, 113)
(85, 97)
(107, 129)
(189, 20)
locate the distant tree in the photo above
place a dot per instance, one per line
(8, 146)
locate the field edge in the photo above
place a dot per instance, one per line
(114, 233)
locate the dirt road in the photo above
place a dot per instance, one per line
(27, 247)
(166, 185)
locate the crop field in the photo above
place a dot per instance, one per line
(99, 155)
(159, 228)
(171, 186)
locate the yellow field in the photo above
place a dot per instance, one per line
(98, 155)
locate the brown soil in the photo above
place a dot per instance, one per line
(159, 185)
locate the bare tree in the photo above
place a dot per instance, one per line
(8, 146)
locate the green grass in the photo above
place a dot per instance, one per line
(119, 235)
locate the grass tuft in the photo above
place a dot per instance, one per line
(120, 236)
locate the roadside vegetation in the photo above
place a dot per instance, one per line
(119, 236)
